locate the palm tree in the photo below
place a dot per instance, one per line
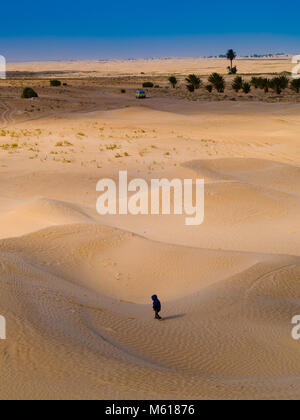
(255, 82)
(278, 84)
(284, 82)
(265, 84)
(217, 81)
(194, 80)
(231, 55)
(261, 83)
(295, 85)
(173, 81)
(190, 88)
(275, 85)
(237, 84)
(246, 87)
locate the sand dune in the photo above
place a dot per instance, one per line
(220, 336)
(239, 204)
(76, 286)
(38, 213)
(112, 262)
(268, 174)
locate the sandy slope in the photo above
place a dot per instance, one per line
(75, 286)
(220, 338)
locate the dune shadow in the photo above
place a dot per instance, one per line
(167, 318)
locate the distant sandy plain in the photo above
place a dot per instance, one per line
(75, 287)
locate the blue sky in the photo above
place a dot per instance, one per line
(118, 29)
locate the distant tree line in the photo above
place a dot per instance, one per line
(217, 82)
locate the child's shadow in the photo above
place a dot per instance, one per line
(167, 318)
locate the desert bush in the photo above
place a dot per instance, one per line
(55, 83)
(173, 81)
(123, 90)
(209, 88)
(232, 70)
(28, 93)
(148, 85)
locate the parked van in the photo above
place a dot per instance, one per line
(140, 94)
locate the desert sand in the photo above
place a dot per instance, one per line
(153, 66)
(76, 287)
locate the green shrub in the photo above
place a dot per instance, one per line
(209, 88)
(148, 85)
(28, 93)
(123, 90)
(55, 83)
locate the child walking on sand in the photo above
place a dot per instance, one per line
(156, 306)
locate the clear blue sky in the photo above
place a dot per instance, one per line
(34, 29)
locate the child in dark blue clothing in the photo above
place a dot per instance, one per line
(156, 306)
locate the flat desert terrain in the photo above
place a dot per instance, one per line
(76, 287)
